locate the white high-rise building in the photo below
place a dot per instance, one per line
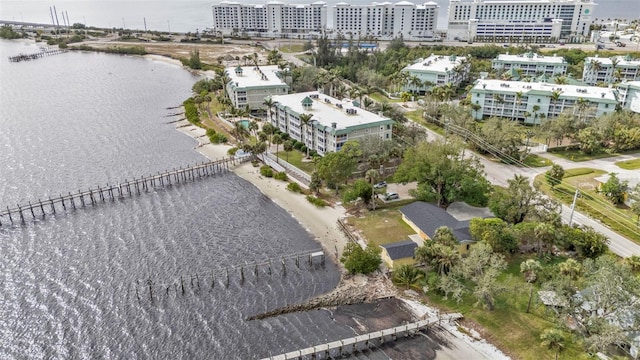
(273, 18)
(386, 19)
(533, 21)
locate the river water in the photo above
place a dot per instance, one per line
(74, 285)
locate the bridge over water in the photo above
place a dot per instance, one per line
(30, 26)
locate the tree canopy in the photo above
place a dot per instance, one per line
(443, 174)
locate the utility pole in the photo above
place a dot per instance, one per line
(573, 205)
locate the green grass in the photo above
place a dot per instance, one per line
(509, 326)
(378, 97)
(534, 160)
(577, 155)
(620, 219)
(629, 164)
(295, 158)
(382, 226)
(291, 48)
(416, 115)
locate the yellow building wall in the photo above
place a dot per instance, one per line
(415, 228)
(395, 263)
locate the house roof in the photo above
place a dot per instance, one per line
(400, 250)
(429, 217)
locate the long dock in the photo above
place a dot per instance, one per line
(40, 54)
(363, 342)
(115, 191)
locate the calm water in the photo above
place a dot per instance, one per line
(67, 284)
(187, 16)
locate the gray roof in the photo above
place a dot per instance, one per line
(400, 250)
(429, 217)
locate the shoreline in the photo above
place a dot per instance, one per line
(321, 224)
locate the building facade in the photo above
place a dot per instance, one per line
(533, 21)
(271, 19)
(385, 19)
(436, 70)
(333, 122)
(532, 102)
(249, 85)
(629, 92)
(530, 64)
(610, 70)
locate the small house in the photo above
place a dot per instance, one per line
(398, 253)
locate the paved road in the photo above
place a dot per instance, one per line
(499, 173)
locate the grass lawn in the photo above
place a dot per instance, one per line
(508, 325)
(534, 160)
(382, 226)
(620, 220)
(295, 159)
(577, 155)
(629, 164)
(378, 97)
(291, 48)
(416, 116)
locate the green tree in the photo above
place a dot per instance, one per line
(546, 235)
(444, 235)
(360, 189)
(520, 202)
(443, 174)
(305, 119)
(194, 60)
(408, 276)
(553, 339)
(372, 177)
(530, 268)
(288, 147)
(494, 232)
(614, 189)
(335, 168)
(589, 243)
(570, 268)
(360, 261)
(483, 266)
(277, 140)
(316, 183)
(554, 175)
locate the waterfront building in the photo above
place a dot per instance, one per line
(531, 102)
(534, 21)
(436, 70)
(610, 70)
(629, 92)
(399, 253)
(530, 64)
(271, 19)
(333, 122)
(249, 85)
(385, 19)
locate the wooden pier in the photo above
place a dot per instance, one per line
(121, 190)
(40, 54)
(364, 342)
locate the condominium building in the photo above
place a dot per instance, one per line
(610, 70)
(333, 121)
(532, 102)
(530, 64)
(385, 19)
(249, 85)
(273, 18)
(436, 70)
(629, 92)
(519, 20)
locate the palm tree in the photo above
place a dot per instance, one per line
(581, 105)
(529, 269)
(239, 132)
(560, 80)
(408, 276)
(277, 139)
(570, 268)
(445, 257)
(535, 110)
(372, 177)
(545, 233)
(553, 339)
(555, 96)
(253, 127)
(287, 146)
(305, 119)
(270, 104)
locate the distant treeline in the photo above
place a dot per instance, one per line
(126, 50)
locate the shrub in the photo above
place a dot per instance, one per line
(218, 138)
(281, 176)
(316, 201)
(266, 171)
(313, 153)
(297, 145)
(294, 187)
(232, 151)
(303, 148)
(210, 132)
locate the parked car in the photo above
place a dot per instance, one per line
(391, 196)
(380, 185)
